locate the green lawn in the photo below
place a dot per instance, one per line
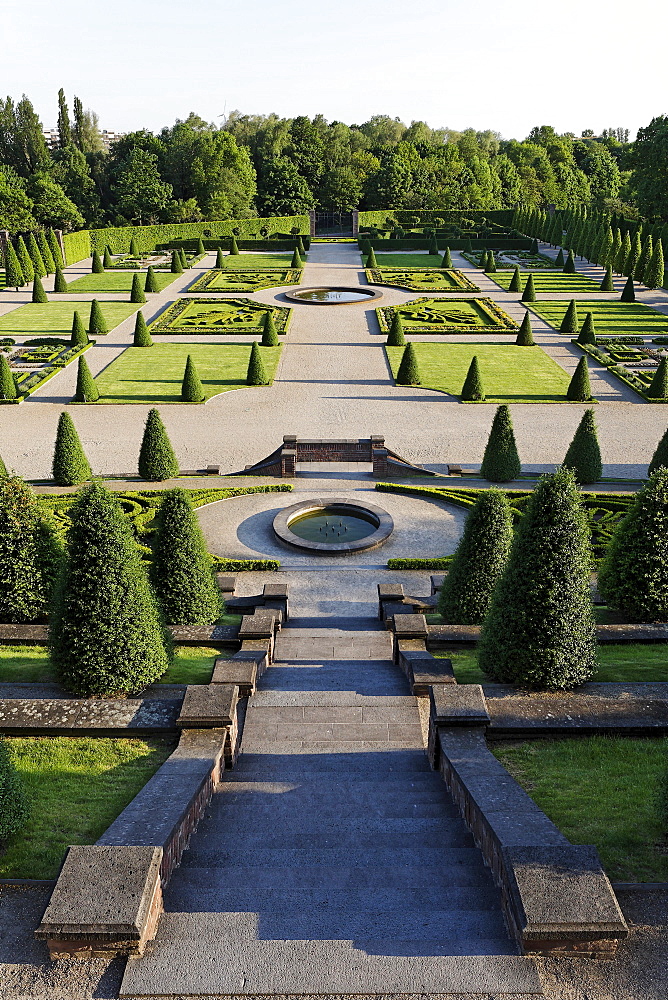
(55, 318)
(510, 373)
(610, 318)
(147, 375)
(546, 282)
(603, 791)
(76, 787)
(407, 259)
(257, 261)
(117, 281)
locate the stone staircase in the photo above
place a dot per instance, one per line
(332, 860)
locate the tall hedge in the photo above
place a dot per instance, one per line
(408, 372)
(26, 573)
(501, 462)
(569, 323)
(191, 386)
(97, 324)
(107, 636)
(182, 572)
(525, 336)
(87, 390)
(14, 807)
(395, 337)
(478, 562)
(473, 390)
(142, 338)
(256, 374)
(157, 460)
(8, 388)
(70, 465)
(633, 576)
(584, 454)
(579, 388)
(540, 631)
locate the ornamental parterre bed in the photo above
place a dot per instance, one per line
(207, 316)
(421, 279)
(245, 281)
(448, 316)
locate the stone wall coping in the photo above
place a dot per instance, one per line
(458, 705)
(623, 633)
(208, 705)
(410, 626)
(41, 715)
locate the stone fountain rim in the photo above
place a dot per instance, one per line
(281, 525)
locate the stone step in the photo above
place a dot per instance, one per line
(364, 676)
(297, 763)
(331, 856)
(324, 699)
(331, 793)
(464, 868)
(257, 729)
(405, 712)
(355, 749)
(256, 830)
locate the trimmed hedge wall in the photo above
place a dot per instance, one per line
(437, 563)
(221, 565)
(77, 246)
(490, 242)
(152, 237)
(406, 216)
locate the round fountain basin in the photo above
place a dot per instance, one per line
(333, 295)
(333, 526)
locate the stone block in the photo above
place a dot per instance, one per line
(272, 590)
(427, 671)
(242, 672)
(389, 609)
(226, 584)
(107, 901)
(458, 705)
(410, 626)
(208, 706)
(261, 625)
(437, 582)
(393, 592)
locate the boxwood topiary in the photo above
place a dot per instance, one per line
(97, 324)
(501, 462)
(70, 465)
(408, 373)
(87, 390)
(584, 454)
(157, 460)
(26, 570)
(472, 390)
(191, 387)
(256, 374)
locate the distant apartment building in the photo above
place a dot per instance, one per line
(108, 138)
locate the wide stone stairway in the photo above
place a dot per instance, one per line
(332, 860)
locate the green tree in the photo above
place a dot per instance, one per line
(38, 293)
(8, 388)
(478, 562)
(200, 248)
(97, 324)
(628, 292)
(97, 267)
(14, 277)
(64, 127)
(446, 262)
(529, 293)
(623, 254)
(515, 284)
(151, 281)
(142, 338)
(36, 257)
(182, 573)
(540, 630)
(87, 390)
(579, 389)
(256, 375)
(157, 461)
(408, 372)
(472, 390)
(587, 333)
(14, 808)
(395, 337)
(660, 457)
(191, 387)
(26, 576)
(184, 259)
(645, 257)
(654, 273)
(584, 454)
(106, 636)
(491, 263)
(501, 462)
(569, 323)
(606, 284)
(3, 470)
(27, 266)
(659, 386)
(633, 256)
(141, 194)
(78, 337)
(70, 465)
(269, 332)
(525, 336)
(569, 266)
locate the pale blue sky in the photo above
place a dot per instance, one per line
(507, 66)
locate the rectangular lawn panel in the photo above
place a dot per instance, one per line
(448, 316)
(55, 318)
(509, 373)
(117, 281)
(407, 259)
(603, 791)
(547, 282)
(231, 280)
(155, 374)
(206, 316)
(422, 279)
(610, 318)
(257, 261)
(76, 787)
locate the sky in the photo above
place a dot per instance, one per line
(482, 64)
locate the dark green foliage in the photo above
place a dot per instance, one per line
(525, 336)
(14, 808)
(7, 384)
(45, 253)
(501, 462)
(134, 247)
(478, 561)
(107, 635)
(191, 387)
(491, 263)
(447, 259)
(660, 457)
(433, 246)
(629, 292)
(534, 247)
(587, 333)
(569, 266)
(634, 573)
(269, 332)
(151, 282)
(296, 259)
(70, 465)
(36, 257)
(200, 248)
(59, 282)
(234, 249)
(107, 260)
(540, 630)
(26, 571)
(97, 324)
(472, 390)
(27, 266)
(515, 285)
(87, 390)
(184, 259)
(299, 246)
(529, 293)
(606, 284)
(3, 469)
(78, 337)
(14, 277)
(177, 266)
(256, 374)
(408, 373)
(371, 259)
(157, 460)
(97, 267)
(54, 247)
(38, 293)
(395, 337)
(142, 337)
(584, 455)
(468, 246)
(559, 259)
(182, 572)
(220, 259)
(659, 386)
(654, 272)
(579, 389)
(569, 323)
(137, 292)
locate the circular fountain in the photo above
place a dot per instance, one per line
(333, 526)
(333, 295)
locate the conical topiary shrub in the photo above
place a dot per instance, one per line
(433, 247)
(468, 246)
(408, 373)
(446, 261)
(191, 386)
(97, 267)
(569, 266)
(629, 292)
(256, 375)
(54, 247)
(269, 332)
(659, 385)
(654, 272)
(569, 323)
(27, 564)
(97, 324)
(659, 459)
(515, 285)
(142, 338)
(584, 455)
(78, 336)
(559, 259)
(200, 248)
(587, 333)
(540, 631)
(299, 244)
(70, 465)
(134, 247)
(395, 337)
(234, 249)
(45, 252)
(27, 266)
(525, 336)
(59, 282)
(36, 257)
(501, 462)
(157, 460)
(14, 805)
(137, 292)
(478, 562)
(579, 389)
(472, 390)
(371, 259)
(220, 259)
(151, 282)
(176, 266)
(14, 277)
(534, 247)
(106, 633)
(529, 293)
(606, 284)
(491, 263)
(182, 575)
(38, 293)
(296, 261)
(184, 259)
(8, 388)
(633, 576)
(107, 259)
(87, 390)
